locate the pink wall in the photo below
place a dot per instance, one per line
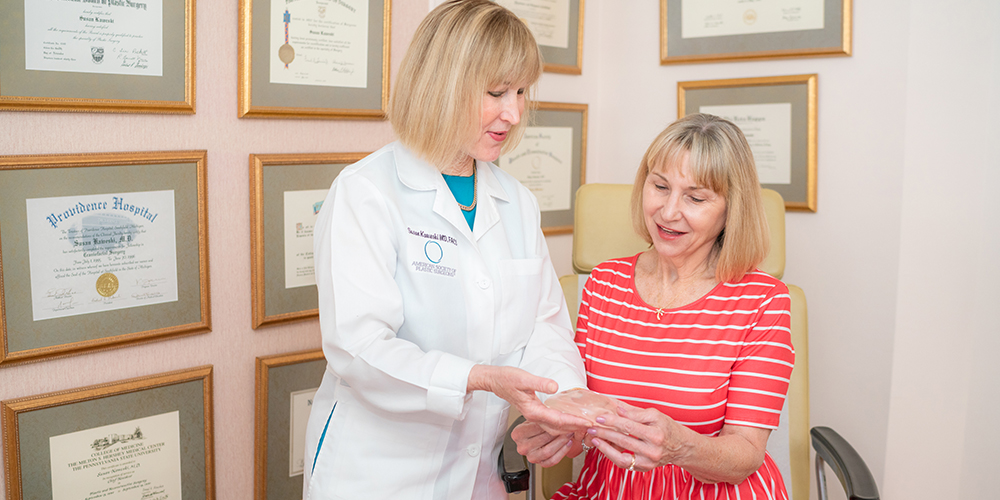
(232, 345)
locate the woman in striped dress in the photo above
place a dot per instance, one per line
(690, 339)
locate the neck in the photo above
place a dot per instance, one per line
(464, 165)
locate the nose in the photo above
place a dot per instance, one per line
(513, 107)
(671, 209)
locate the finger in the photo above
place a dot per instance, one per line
(617, 457)
(550, 453)
(623, 425)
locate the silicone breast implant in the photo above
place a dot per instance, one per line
(582, 403)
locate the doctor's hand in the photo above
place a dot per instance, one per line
(518, 388)
(544, 449)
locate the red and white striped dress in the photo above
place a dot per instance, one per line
(724, 359)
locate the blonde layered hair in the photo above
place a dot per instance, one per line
(462, 49)
(720, 159)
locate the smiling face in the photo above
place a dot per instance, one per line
(683, 218)
(502, 107)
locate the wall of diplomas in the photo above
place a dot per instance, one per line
(162, 163)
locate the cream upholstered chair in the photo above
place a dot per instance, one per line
(603, 230)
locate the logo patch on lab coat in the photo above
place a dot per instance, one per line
(431, 252)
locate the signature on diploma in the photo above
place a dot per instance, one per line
(64, 305)
(148, 282)
(60, 293)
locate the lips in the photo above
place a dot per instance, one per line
(498, 136)
(670, 232)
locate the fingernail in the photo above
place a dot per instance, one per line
(592, 431)
(601, 420)
(569, 443)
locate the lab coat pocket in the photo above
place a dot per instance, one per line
(520, 280)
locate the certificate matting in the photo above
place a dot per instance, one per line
(258, 97)
(798, 90)
(277, 378)
(29, 423)
(24, 177)
(557, 114)
(270, 177)
(833, 39)
(568, 60)
(173, 92)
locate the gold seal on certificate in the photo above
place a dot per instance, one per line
(107, 284)
(286, 53)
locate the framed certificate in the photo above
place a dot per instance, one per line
(101, 56)
(286, 193)
(558, 29)
(551, 161)
(314, 58)
(148, 437)
(729, 30)
(101, 250)
(286, 385)
(778, 117)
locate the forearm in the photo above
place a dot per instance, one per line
(727, 458)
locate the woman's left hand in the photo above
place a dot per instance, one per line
(644, 439)
(653, 438)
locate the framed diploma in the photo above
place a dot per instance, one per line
(729, 30)
(551, 161)
(314, 58)
(286, 193)
(286, 385)
(148, 437)
(101, 250)
(778, 117)
(558, 29)
(101, 56)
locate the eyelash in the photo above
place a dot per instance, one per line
(501, 94)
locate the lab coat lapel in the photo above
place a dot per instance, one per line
(490, 191)
(417, 174)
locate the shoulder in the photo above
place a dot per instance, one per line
(759, 282)
(614, 271)
(378, 165)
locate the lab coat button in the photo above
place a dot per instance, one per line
(484, 283)
(473, 450)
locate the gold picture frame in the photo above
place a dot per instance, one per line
(557, 59)
(556, 205)
(831, 37)
(30, 423)
(32, 327)
(171, 92)
(271, 175)
(260, 98)
(279, 379)
(800, 94)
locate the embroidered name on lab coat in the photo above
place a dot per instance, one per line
(431, 252)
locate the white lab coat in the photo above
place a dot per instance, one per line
(410, 299)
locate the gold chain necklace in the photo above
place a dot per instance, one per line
(475, 189)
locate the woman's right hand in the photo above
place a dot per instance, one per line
(518, 388)
(542, 448)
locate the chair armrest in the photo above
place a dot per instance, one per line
(854, 475)
(513, 466)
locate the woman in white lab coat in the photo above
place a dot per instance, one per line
(439, 306)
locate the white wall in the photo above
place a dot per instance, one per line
(945, 378)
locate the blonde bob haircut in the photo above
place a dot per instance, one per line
(461, 50)
(720, 160)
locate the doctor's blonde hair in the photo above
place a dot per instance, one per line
(462, 49)
(720, 159)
